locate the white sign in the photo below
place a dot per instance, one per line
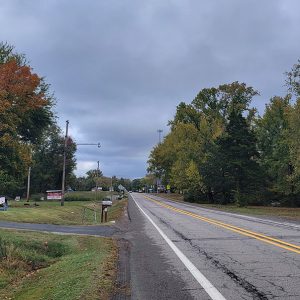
(107, 202)
(121, 187)
(2, 200)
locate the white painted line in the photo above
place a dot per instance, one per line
(203, 281)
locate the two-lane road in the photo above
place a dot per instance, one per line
(181, 251)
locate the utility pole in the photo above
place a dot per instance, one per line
(64, 166)
(97, 179)
(159, 135)
(111, 188)
(28, 184)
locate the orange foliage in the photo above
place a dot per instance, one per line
(19, 89)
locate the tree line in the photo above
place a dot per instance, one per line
(220, 150)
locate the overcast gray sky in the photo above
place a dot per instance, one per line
(119, 68)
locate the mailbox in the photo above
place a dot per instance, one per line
(106, 203)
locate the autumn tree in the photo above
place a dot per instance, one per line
(25, 112)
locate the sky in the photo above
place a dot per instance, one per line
(118, 69)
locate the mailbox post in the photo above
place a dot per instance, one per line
(105, 205)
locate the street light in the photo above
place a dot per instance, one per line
(159, 141)
(87, 144)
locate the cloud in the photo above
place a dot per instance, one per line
(119, 68)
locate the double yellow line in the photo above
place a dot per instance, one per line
(252, 234)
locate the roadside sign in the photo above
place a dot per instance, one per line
(54, 195)
(107, 202)
(2, 200)
(121, 187)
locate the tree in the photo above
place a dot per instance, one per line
(271, 131)
(25, 112)
(237, 156)
(292, 138)
(293, 79)
(186, 152)
(48, 161)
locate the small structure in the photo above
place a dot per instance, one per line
(54, 194)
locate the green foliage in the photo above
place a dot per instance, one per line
(195, 156)
(84, 196)
(293, 79)
(48, 161)
(218, 151)
(25, 113)
(293, 139)
(9, 185)
(274, 142)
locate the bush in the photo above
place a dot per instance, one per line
(15, 253)
(37, 197)
(74, 197)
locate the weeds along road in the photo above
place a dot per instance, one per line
(181, 251)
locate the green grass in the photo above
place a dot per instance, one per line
(48, 266)
(51, 212)
(288, 213)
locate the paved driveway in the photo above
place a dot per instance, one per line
(95, 230)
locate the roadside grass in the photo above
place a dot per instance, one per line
(116, 211)
(48, 266)
(51, 212)
(288, 213)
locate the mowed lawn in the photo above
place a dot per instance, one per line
(54, 267)
(51, 212)
(288, 213)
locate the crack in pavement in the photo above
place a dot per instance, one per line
(250, 288)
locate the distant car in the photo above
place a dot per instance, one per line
(130, 191)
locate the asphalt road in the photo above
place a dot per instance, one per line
(181, 251)
(94, 230)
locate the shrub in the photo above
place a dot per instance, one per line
(37, 197)
(74, 197)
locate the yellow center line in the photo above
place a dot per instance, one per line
(249, 233)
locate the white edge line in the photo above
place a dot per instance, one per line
(203, 281)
